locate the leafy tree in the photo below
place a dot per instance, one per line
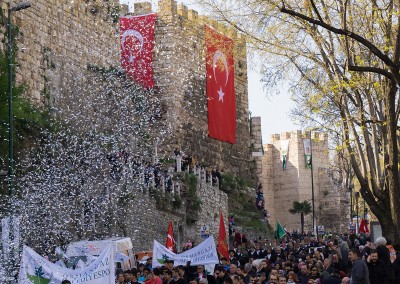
(302, 208)
(343, 61)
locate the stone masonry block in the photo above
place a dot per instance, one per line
(142, 8)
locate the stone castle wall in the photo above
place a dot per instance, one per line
(283, 186)
(57, 42)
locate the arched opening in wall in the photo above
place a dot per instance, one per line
(179, 238)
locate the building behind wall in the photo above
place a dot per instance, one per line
(282, 186)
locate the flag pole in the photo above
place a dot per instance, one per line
(312, 187)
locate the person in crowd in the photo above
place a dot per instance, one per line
(167, 279)
(200, 272)
(321, 268)
(176, 278)
(169, 263)
(120, 279)
(241, 279)
(359, 272)
(233, 268)
(224, 263)
(134, 273)
(334, 278)
(183, 274)
(153, 277)
(304, 274)
(149, 262)
(273, 279)
(328, 265)
(377, 269)
(128, 276)
(282, 280)
(232, 256)
(345, 280)
(236, 279)
(314, 273)
(344, 251)
(337, 262)
(220, 275)
(140, 273)
(228, 281)
(384, 256)
(293, 278)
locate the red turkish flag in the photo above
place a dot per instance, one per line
(137, 43)
(363, 227)
(170, 243)
(220, 86)
(222, 245)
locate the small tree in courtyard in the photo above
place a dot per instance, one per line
(302, 208)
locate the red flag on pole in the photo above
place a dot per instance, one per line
(220, 86)
(363, 226)
(222, 244)
(137, 43)
(170, 244)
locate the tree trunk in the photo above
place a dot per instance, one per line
(389, 230)
(302, 222)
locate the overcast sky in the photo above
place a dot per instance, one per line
(274, 111)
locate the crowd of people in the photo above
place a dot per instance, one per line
(299, 258)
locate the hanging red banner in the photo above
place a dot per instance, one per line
(220, 86)
(137, 43)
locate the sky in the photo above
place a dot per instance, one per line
(274, 111)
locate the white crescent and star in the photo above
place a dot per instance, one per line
(219, 55)
(133, 33)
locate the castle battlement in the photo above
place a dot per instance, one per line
(315, 136)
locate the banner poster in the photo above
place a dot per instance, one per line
(205, 253)
(36, 269)
(284, 149)
(307, 152)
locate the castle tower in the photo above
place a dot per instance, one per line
(289, 181)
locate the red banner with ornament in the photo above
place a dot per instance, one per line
(220, 86)
(137, 43)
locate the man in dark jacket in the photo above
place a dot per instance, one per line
(220, 275)
(377, 269)
(359, 272)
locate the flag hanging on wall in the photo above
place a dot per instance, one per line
(222, 244)
(170, 243)
(137, 43)
(284, 148)
(307, 152)
(220, 86)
